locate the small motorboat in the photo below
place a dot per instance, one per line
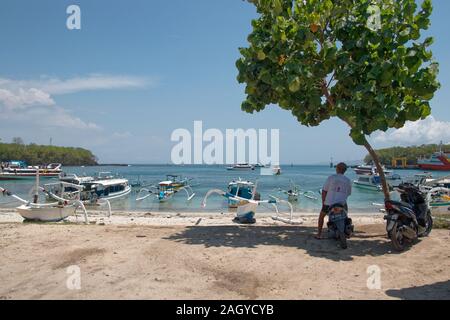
(274, 170)
(242, 167)
(369, 182)
(369, 170)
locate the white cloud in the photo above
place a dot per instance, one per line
(46, 116)
(57, 86)
(23, 98)
(31, 101)
(420, 132)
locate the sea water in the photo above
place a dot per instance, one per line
(308, 178)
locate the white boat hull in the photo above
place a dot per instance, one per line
(46, 214)
(368, 187)
(11, 176)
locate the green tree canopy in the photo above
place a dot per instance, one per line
(363, 61)
(36, 155)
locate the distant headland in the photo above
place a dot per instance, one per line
(34, 154)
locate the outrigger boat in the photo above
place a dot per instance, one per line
(429, 183)
(294, 192)
(166, 189)
(242, 189)
(19, 170)
(246, 207)
(50, 212)
(439, 200)
(438, 193)
(95, 189)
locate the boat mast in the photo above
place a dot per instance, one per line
(36, 191)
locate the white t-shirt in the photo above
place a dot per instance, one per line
(338, 188)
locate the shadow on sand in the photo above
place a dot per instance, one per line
(435, 291)
(362, 244)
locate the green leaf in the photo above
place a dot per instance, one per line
(294, 85)
(261, 55)
(358, 137)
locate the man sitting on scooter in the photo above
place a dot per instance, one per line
(336, 190)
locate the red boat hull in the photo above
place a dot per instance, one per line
(433, 167)
(443, 166)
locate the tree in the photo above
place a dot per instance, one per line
(17, 140)
(361, 61)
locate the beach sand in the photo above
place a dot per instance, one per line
(190, 256)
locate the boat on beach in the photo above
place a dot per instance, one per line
(58, 210)
(242, 189)
(19, 170)
(243, 196)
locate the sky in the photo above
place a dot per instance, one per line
(140, 69)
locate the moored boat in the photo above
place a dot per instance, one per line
(19, 170)
(241, 166)
(369, 170)
(94, 189)
(368, 182)
(439, 200)
(243, 189)
(439, 161)
(166, 189)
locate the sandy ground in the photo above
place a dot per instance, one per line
(185, 256)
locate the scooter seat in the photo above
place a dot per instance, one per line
(401, 204)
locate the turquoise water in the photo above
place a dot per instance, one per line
(213, 177)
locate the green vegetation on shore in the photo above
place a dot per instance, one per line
(410, 153)
(34, 154)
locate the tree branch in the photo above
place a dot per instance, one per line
(327, 94)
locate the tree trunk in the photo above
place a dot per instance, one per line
(377, 162)
(369, 148)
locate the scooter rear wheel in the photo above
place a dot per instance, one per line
(397, 239)
(429, 225)
(343, 240)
